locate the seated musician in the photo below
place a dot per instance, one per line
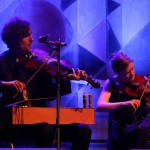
(17, 34)
(125, 110)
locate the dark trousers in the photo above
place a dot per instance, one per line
(135, 138)
(43, 134)
(78, 134)
(40, 134)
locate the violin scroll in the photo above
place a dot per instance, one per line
(92, 82)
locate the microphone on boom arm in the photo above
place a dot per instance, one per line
(44, 39)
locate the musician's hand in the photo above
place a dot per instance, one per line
(19, 86)
(135, 103)
(77, 75)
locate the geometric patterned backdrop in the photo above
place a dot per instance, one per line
(92, 29)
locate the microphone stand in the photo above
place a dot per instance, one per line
(58, 99)
(58, 45)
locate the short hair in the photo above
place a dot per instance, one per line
(120, 61)
(14, 30)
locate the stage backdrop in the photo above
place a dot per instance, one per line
(92, 29)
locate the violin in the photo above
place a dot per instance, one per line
(140, 87)
(50, 67)
(41, 61)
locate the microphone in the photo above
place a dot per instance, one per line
(43, 39)
(57, 43)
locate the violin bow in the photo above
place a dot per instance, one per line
(145, 88)
(36, 72)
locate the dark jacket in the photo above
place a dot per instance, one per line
(41, 86)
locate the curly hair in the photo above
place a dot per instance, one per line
(120, 61)
(14, 31)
